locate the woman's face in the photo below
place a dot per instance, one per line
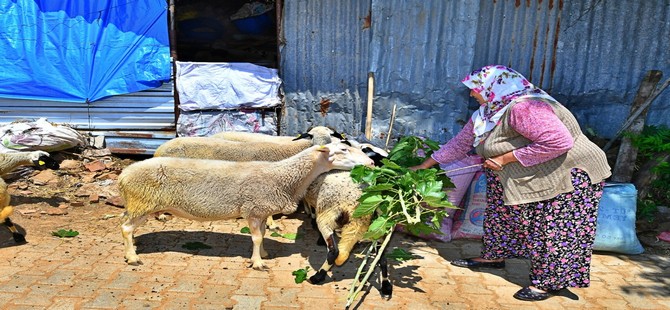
(478, 97)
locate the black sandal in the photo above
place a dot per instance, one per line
(471, 263)
(529, 294)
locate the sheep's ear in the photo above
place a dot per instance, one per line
(323, 148)
(337, 134)
(303, 136)
(45, 161)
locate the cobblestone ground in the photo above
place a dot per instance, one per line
(89, 272)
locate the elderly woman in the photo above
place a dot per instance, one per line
(544, 181)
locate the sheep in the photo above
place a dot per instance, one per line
(8, 162)
(183, 187)
(333, 197)
(318, 135)
(245, 146)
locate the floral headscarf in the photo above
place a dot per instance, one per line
(498, 85)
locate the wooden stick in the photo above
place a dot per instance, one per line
(637, 113)
(388, 136)
(371, 92)
(625, 161)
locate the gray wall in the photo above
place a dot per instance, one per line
(589, 54)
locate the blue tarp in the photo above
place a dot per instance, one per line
(81, 50)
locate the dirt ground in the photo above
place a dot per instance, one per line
(82, 196)
(84, 188)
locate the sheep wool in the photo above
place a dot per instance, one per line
(253, 190)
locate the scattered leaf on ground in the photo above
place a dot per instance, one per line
(62, 233)
(400, 255)
(245, 230)
(300, 275)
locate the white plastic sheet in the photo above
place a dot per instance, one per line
(207, 123)
(222, 86)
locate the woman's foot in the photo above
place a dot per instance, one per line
(531, 293)
(477, 262)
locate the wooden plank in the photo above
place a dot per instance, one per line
(625, 163)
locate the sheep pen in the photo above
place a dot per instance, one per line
(183, 187)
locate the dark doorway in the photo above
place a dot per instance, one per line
(227, 31)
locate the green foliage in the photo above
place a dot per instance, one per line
(62, 233)
(653, 144)
(195, 246)
(245, 230)
(412, 150)
(300, 275)
(398, 195)
(400, 255)
(290, 236)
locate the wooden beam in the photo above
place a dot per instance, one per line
(625, 161)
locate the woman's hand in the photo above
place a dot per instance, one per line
(497, 163)
(494, 163)
(429, 162)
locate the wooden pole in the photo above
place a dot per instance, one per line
(388, 136)
(625, 161)
(371, 92)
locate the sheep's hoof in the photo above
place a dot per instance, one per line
(318, 277)
(386, 290)
(19, 238)
(259, 266)
(133, 260)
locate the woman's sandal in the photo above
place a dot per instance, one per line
(471, 263)
(529, 294)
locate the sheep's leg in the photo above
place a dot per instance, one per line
(18, 237)
(387, 288)
(257, 227)
(328, 264)
(271, 224)
(127, 230)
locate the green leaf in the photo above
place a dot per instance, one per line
(195, 246)
(245, 230)
(400, 255)
(379, 187)
(379, 228)
(300, 275)
(367, 204)
(62, 233)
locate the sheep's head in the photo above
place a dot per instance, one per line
(43, 160)
(375, 153)
(321, 135)
(345, 157)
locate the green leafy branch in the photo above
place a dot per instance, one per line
(396, 195)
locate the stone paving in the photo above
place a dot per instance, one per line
(88, 272)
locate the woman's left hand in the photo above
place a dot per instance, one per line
(494, 163)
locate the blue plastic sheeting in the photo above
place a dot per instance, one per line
(82, 51)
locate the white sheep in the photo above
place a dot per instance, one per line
(245, 146)
(8, 162)
(318, 135)
(252, 190)
(333, 197)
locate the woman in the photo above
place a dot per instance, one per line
(544, 181)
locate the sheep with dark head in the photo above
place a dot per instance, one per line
(185, 187)
(8, 162)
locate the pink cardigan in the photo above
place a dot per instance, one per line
(550, 138)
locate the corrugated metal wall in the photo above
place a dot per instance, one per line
(325, 62)
(589, 54)
(135, 123)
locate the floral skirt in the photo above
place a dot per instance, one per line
(556, 234)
